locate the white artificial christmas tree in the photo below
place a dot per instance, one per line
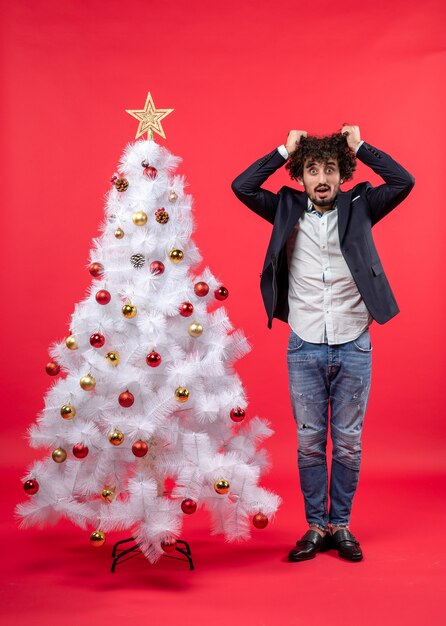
(148, 391)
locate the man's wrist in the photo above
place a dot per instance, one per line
(358, 146)
(283, 151)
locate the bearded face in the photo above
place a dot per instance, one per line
(321, 181)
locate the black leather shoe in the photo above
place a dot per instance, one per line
(310, 544)
(346, 545)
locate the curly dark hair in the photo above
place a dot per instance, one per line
(321, 149)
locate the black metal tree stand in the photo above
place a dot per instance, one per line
(121, 555)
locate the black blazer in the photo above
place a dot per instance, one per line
(358, 210)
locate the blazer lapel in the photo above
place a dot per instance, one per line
(289, 212)
(296, 204)
(344, 207)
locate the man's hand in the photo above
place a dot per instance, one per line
(293, 140)
(353, 136)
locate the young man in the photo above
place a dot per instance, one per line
(323, 276)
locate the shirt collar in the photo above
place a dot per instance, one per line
(311, 209)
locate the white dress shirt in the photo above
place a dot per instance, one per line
(324, 301)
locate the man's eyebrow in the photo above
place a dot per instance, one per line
(311, 163)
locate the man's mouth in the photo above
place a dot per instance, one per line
(322, 189)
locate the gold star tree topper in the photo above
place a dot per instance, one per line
(149, 119)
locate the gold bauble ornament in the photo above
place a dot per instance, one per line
(70, 342)
(107, 494)
(119, 233)
(129, 311)
(116, 437)
(139, 218)
(195, 329)
(172, 196)
(176, 255)
(59, 455)
(221, 486)
(97, 538)
(87, 382)
(112, 358)
(182, 394)
(68, 411)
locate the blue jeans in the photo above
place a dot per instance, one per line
(325, 378)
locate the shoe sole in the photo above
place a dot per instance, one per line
(350, 558)
(307, 558)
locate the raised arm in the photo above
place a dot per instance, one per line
(398, 181)
(247, 186)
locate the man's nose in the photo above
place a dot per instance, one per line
(322, 177)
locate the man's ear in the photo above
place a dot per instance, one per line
(300, 180)
(341, 181)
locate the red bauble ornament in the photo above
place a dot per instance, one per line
(126, 399)
(97, 340)
(150, 171)
(153, 359)
(201, 289)
(260, 521)
(238, 414)
(80, 451)
(96, 270)
(188, 506)
(156, 267)
(221, 293)
(169, 545)
(186, 309)
(103, 296)
(52, 368)
(31, 486)
(140, 448)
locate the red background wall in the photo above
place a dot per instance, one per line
(239, 75)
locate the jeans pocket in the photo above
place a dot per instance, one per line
(363, 343)
(295, 342)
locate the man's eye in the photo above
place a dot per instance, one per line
(313, 171)
(329, 170)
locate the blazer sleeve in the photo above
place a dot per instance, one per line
(397, 186)
(247, 186)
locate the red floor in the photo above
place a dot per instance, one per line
(54, 576)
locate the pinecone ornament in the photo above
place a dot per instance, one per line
(162, 216)
(137, 260)
(121, 184)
